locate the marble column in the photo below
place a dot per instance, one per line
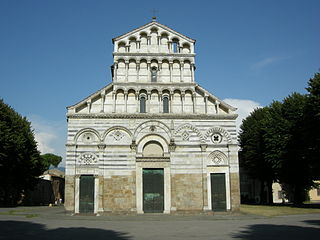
(181, 71)
(192, 72)
(103, 96)
(125, 102)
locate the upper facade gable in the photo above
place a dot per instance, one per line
(181, 100)
(148, 27)
(153, 37)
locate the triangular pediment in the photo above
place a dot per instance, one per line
(161, 28)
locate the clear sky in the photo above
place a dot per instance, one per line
(54, 53)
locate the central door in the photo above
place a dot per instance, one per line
(218, 192)
(86, 196)
(153, 190)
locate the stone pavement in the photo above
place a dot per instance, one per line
(52, 223)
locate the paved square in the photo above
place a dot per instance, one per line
(33, 223)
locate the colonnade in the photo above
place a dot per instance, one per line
(184, 69)
(179, 102)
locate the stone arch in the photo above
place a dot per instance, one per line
(217, 158)
(121, 46)
(186, 48)
(188, 126)
(143, 91)
(152, 149)
(132, 43)
(90, 131)
(116, 128)
(220, 130)
(121, 63)
(166, 91)
(143, 38)
(154, 63)
(164, 38)
(132, 70)
(152, 138)
(154, 29)
(143, 72)
(153, 124)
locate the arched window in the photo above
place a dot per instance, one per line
(175, 45)
(142, 104)
(154, 74)
(165, 101)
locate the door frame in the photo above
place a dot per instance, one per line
(144, 184)
(224, 170)
(77, 193)
(166, 180)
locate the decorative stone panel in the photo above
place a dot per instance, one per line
(217, 158)
(88, 158)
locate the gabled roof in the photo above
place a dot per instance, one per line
(153, 23)
(226, 105)
(91, 96)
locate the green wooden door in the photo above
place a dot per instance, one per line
(218, 192)
(86, 196)
(153, 190)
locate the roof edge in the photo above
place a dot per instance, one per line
(151, 23)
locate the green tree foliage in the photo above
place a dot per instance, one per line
(293, 168)
(252, 154)
(20, 161)
(49, 159)
(281, 142)
(312, 127)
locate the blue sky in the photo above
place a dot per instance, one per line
(54, 53)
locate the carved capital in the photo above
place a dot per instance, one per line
(203, 147)
(172, 146)
(133, 146)
(102, 146)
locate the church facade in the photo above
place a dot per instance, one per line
(153, 140)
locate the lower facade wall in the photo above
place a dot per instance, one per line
(187, 192)
(119, 193)
(235, 191)
(69, 193)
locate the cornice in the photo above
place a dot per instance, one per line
(152, 116)
(162, 55)
(154, 84)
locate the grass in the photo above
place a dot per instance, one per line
(19, 213)
(276, 210)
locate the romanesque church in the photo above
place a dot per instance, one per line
(153, 140)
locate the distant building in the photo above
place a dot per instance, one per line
(153, 140)
(49, 189)
(314, 193)
(58, 183)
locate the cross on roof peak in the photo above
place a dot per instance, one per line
(154, 12)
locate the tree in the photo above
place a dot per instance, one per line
(275, 144)
(20, 161)
(49, 159)
(253, 148)
(312, 126)
(287, 147)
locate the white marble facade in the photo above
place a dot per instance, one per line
(152, 115)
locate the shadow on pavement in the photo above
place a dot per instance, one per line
(269, 231)
(313, 222)
(14, 230)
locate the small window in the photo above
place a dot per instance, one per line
(154, 74)
(142, 104)
(175, 47)
(318, 191)
(165, 104)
